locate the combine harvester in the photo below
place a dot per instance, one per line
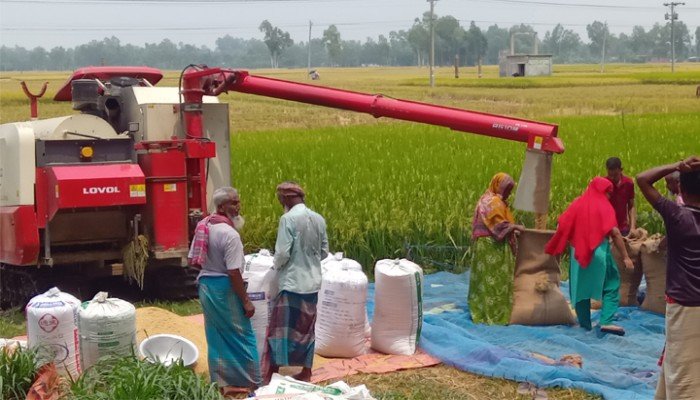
(137, 166)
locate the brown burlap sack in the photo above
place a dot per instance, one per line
(537, 299)
(630, 280)
(654, 265)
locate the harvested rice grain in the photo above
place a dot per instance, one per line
(153, 320)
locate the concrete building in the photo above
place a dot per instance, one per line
(525, 65)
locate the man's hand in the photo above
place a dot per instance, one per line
(249, 308)
(689, 164)
(628, 264)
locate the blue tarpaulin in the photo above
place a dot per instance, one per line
(615, 367)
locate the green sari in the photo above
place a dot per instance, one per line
(491, 281)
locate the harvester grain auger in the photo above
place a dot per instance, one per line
(137, 166)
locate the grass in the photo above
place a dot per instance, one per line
(17, 371)
(186, 307)
(131, 378)
(445, 383)
(12, 323)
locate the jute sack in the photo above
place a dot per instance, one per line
(537, 299)
(654, 265)
(630, 280)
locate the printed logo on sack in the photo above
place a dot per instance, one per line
(256, 296)
(48, 323)
(101, 190)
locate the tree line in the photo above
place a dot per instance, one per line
(454, 43)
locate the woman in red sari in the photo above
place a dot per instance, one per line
(587, 225)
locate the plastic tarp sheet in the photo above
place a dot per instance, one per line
(615, 367)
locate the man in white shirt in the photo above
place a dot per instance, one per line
(234, 363)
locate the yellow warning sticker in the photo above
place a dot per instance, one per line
(170, 187)
(538, 142)
(137, 190)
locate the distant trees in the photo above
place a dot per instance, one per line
(276, 41)
(498, 39)
(449, 40)
(598, 33)
(563, 44)
(399, 47)
(476, 44)
(524, 37)
(419, 39)
(334, 46)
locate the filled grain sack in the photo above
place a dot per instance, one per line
(398, 306)
(341, 318)
(537, 299)
(107, 326)
(261, 279)
(338, 261)
(654, 265)
(630, 280)
(52, 328)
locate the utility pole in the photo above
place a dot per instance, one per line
(432, 42)
(602, 58)
(673, 17)
(308, 71)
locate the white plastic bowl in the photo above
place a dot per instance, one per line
(168, 349)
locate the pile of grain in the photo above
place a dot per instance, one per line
(153, 320)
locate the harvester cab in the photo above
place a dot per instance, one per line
(123, 183)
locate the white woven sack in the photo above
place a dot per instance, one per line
(261, 277)
(52, 328)
(398, 306)
(341, 317)
(107, 327)
(337, 260)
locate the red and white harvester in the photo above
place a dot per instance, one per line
(140, 160)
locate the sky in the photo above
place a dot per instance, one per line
(67, 23)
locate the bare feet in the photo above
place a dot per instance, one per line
(304, 375)
(268, 377)
(234, 391)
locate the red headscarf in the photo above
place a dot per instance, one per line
(585, 223)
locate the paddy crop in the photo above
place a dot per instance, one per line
(386, 188)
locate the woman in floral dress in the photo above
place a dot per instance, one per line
(493, 248)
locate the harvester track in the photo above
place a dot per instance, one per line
(19, 284)
(171, 283)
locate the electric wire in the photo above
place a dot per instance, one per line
(215, 2)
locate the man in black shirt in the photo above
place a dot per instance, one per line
(680, 371)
